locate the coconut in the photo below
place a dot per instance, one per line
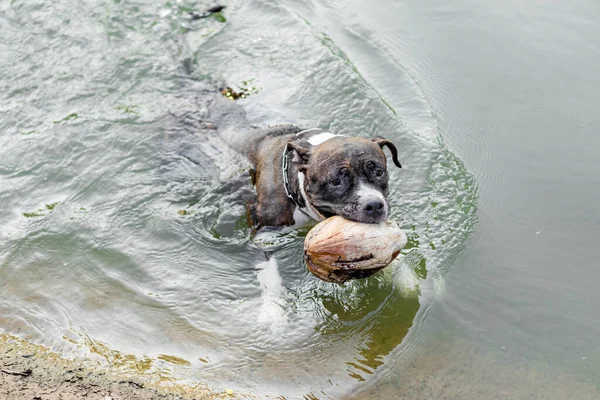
(338, 249)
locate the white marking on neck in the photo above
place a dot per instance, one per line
(320, 138)
(300, 218)
(310, 210)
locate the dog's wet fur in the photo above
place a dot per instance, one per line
(344, 176)
(327, 174)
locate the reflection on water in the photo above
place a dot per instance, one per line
(123, 211)
(377, 321)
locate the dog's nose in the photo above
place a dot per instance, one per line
(374, 208)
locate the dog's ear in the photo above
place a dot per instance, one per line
(384, 142)
(302, 150)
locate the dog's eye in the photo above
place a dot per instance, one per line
(379, 172)
(336, 182)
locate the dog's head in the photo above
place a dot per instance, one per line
(346, 176)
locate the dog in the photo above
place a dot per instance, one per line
(313, 174)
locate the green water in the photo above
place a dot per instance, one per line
(122, 214)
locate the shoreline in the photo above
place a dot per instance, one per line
(29, 371)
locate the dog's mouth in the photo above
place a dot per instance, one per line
(327, 212)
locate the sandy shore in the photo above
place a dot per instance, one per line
(33, 372)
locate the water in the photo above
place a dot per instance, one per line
(123, 220)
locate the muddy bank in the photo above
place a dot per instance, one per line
(33, 372)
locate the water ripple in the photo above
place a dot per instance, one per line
(124, 213)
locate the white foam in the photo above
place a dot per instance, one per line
(407, 281)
